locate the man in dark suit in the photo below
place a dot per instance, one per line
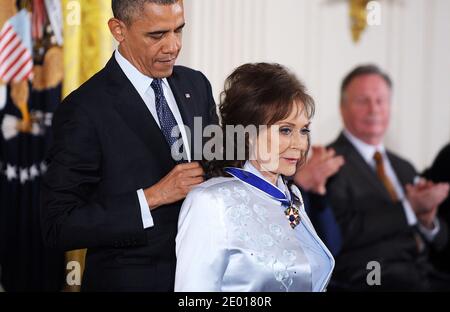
(382, 214)
(116, 180)
(439, 171)
(312, 178)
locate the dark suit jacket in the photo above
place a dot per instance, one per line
(322, 217)
(373, 227)
(440, 172)
(107, 146)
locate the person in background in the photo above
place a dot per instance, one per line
(439, 171)
(246, 229)
(311, 178)
(387, 221)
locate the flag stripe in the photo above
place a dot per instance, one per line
(26, 57)
(12, 56)
(16, 62)
(23, 67)
(10, 50)
(7, 41)
(5, 31)
(12, 62)
(24, 73)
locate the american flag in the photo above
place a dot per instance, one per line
(38, 19)
(16, 62)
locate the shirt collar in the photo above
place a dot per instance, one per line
(366, 150)
(140, 81)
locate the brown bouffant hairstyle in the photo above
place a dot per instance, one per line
(257, 94)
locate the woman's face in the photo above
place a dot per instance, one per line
(278, 148)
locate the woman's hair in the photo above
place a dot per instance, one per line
(257, 94)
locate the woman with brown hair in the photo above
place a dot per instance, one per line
(246, 228)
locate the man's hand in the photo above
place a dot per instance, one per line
(175, 185)
(314, 174)
(425, 198)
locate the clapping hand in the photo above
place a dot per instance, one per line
(425, 198)
(320, 166)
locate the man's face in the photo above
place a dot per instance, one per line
(366, 108)
(152, 41)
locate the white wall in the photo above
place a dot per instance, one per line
(312, 37)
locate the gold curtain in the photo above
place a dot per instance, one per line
(88, 45)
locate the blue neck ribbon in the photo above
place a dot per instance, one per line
(259, 183)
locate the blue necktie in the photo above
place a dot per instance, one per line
(166, 119)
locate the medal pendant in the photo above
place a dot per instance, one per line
(293, 216)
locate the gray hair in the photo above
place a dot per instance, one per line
(125, 10)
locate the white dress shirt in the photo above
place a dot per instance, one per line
(142, 84)
(367, 151)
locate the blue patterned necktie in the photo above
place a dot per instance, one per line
(166, 119)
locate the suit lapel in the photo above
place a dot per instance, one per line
(135, 113)
(361, 166)
(402, 177)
